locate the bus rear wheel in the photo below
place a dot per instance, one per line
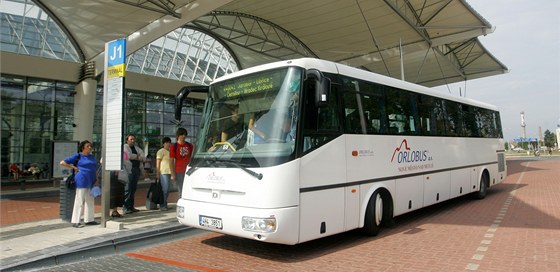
(484, 182)
(374, 214)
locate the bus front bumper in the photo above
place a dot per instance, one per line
(272, 225)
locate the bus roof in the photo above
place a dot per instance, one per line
(337, 68)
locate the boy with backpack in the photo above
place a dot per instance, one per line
(180, 154)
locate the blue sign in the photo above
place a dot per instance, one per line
(116, 52)
(523, 140)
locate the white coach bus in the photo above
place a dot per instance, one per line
(297, 150)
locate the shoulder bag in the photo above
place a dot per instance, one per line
(70, 180)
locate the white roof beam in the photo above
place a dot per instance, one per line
(164, 25)
(462, 36)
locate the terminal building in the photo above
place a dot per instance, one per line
(52, 57)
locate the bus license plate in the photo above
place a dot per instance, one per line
(210, 222)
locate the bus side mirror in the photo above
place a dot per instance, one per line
(322, 87)
(182, 95)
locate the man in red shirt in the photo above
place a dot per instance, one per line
(180, 154)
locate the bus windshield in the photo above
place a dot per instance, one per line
(250, 120)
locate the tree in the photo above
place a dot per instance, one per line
(549, 138)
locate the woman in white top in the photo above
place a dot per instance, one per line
(163, 170)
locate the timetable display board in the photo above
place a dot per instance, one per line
(115, 67)
(60, 151)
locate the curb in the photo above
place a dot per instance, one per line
(157, 235)
(44, 192)
(30, 194)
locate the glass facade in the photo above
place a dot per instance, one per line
(185, 55)
(28, 30)
(36, 112)
(31, 119)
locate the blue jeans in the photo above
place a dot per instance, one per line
(165, 181)
(130, 189)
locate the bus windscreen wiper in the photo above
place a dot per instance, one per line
(205, 161)
(191, 170)
(259, 176)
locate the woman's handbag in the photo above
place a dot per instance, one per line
(122, 176)
(71, 182)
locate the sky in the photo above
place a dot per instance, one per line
(526, 40)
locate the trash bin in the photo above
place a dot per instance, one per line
(66, 201)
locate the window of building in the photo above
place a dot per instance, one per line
(36, 112)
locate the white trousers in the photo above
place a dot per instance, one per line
(83, 202)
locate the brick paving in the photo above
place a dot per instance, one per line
(16, 211)
(515, 228)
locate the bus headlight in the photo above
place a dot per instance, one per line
(258, 224)
(180, 212)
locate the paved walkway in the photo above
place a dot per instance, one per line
(31, 228)
(516, 228)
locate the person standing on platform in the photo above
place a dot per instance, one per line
(163, 170)
(84, 166)
(147, 165)
(136, 157)
(119, 179)
(180, 153)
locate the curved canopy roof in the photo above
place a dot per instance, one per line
(437, 38)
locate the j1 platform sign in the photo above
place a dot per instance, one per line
(116, 58)
(115, 67)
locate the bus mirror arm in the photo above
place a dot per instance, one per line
(322, 87)
(180, 98)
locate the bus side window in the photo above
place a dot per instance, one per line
(320, 125)
(400, 111)
(373, 107)
(485, 122)
(327, 117)
(372, 113)
(352, 123)
(469, 122)
(432, 118)
(453, 114)
(497, 125)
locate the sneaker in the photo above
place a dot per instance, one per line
(163, 209)
(127, 211)
(92, 223)
(76, 225)
(134, 210)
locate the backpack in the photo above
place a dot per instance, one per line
(175, 145)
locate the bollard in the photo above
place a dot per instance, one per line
(66, 202)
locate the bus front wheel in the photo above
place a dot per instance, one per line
(374, 214)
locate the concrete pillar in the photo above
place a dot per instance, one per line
(84, 106)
